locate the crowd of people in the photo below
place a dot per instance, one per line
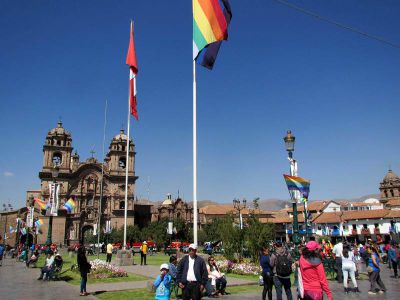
(277, 265)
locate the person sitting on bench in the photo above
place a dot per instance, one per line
(34, 258)
(47, 267)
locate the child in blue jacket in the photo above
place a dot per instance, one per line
(163, 283)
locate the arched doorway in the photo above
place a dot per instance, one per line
(87, 236)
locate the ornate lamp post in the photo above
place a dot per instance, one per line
(54, 174)
(289, 143)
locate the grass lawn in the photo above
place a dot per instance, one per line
(73, 277)
(248, 277)
(154, 260)
(143, 294)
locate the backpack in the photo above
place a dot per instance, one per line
(283, 265)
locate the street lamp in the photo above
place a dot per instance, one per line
(54, 173)
(239, 206)
(289, 143)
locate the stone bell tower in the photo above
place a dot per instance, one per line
(116, 156)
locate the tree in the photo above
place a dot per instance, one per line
(257, 236)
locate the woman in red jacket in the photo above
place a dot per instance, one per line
(313, 274)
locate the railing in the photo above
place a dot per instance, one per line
(365, 231)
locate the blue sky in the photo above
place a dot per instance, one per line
(336, 90)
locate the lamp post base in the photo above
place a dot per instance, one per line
(124, 258)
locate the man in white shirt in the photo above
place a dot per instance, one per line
(192, 274)
(338, 254)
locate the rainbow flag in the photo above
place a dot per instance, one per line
(39, 223)
(41, 203)
(69, 205)
(210, 27)
(298, 184)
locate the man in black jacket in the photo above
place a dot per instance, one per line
(192, 274)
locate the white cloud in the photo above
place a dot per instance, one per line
(8, 174)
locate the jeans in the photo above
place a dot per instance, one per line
(83, 282)
(142, 258)
(375, 279)
(268, 284)
(338, 267)
(221, 284)
(349, 269)
(279, 281)
(394, 266)
(109, 256)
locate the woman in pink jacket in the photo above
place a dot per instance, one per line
(313, 274)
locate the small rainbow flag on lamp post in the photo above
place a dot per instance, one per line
(295, 183)
(39, 223)
(69, 205)
(42, 204)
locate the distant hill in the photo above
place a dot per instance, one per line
(273, 203)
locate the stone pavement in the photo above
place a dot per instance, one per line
(19, 282)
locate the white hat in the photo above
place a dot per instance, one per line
(164, 266)
(193, 246)
(145, 242)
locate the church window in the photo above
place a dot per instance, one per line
(121, 204)
(123, 148)
(122, 162)
(392, 193)
(57, 159)
(89, 200)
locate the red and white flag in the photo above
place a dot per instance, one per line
(133, 70)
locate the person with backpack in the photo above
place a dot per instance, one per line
(313, 273)
(281, 265)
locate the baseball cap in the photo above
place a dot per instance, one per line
(193, 246)
(313, 245)
(164, 266)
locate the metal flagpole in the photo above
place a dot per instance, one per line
(101, 183)
(194, 156)
(127, 165)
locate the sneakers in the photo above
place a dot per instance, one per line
(356, 290)
(346, 290)
(372, 292)
(382, 291)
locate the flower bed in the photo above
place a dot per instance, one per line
(101, 269)
(244, 268)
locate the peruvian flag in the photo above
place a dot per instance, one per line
(133, 69)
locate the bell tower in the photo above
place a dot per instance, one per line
(117, 155)
(57, 150)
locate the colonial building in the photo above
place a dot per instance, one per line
(82, 181)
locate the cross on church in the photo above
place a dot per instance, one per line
(92, 152)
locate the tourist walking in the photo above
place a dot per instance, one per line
(374, 271)
(192, 274)
(143, 253)
(393, 257)
(349, 268)
(267, 275)
(337, 252)
(84, 269)
(2, 250)
(109, 252)
(162, 283)
(281, 265)
(313, 274)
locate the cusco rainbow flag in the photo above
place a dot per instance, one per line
(41, 203)
(39, 223)
(298, 184)
(69, 205)
(210, 27)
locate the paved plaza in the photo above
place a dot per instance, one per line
(19, 282)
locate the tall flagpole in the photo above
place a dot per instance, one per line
(194, 156)
(101, 183)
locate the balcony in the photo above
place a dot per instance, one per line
(392, 229)
(335, 232)
(365, 231)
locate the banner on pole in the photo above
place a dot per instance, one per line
(54, 189)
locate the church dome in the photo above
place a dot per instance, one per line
(121, 136)
(59, 130)
(168, 201)
(391, 177)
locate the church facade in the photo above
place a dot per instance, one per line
(82, 181)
